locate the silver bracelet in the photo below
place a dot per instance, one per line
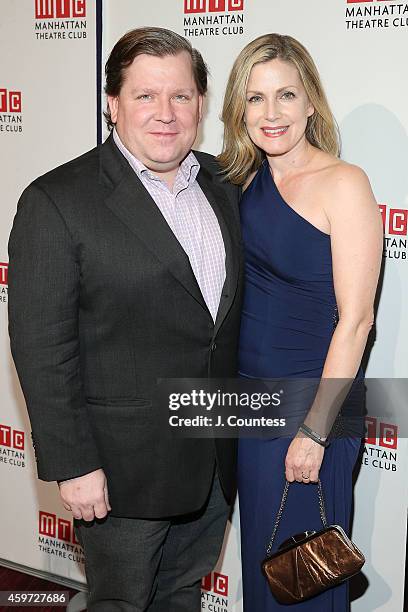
(314, 435)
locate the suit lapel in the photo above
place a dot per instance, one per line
(228, 222)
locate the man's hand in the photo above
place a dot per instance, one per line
(86, 496)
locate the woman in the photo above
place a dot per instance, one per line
(313, 242)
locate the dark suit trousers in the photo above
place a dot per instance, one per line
(143, 565)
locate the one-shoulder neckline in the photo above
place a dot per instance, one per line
(288, 206)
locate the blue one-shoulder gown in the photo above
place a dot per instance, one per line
(288, 319)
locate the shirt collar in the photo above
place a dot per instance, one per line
(186, 175)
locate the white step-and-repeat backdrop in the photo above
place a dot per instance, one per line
(48, 114)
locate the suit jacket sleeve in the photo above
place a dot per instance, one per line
(44, 278)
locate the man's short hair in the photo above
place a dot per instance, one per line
(158, 42)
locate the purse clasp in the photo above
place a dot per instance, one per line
(296, 539)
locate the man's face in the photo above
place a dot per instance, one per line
(158, 110)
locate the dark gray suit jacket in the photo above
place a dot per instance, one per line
(102, 303)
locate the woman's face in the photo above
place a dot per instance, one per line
(277, 107)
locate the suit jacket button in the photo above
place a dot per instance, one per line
(213, 346)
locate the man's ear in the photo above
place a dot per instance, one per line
(200, 107)
(113, 103)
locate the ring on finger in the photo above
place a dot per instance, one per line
(305, 477)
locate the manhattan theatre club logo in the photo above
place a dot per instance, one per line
(381, 443)
(213, 18)
(3, 282)
(60, 19)
(56, 537)
(11, 118)
(12, 443)
(214, 592)
(395, 221)
(376, 14)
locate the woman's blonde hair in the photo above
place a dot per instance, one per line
(240, 156)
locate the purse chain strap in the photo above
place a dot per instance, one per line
(282, 506)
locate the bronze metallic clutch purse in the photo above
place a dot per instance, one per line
(310, 562)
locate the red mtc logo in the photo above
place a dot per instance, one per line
(12, 438)
(397, 222)
(54, 527)
(218, 583)
(3, 273)
(10, 102)
(381, 434)
(59, 9)
(354, 1)
(212, 6)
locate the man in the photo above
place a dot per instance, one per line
(125, 268)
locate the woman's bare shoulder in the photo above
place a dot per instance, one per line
(337, 172)
(349, 191)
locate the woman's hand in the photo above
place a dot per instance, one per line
(303, 459)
